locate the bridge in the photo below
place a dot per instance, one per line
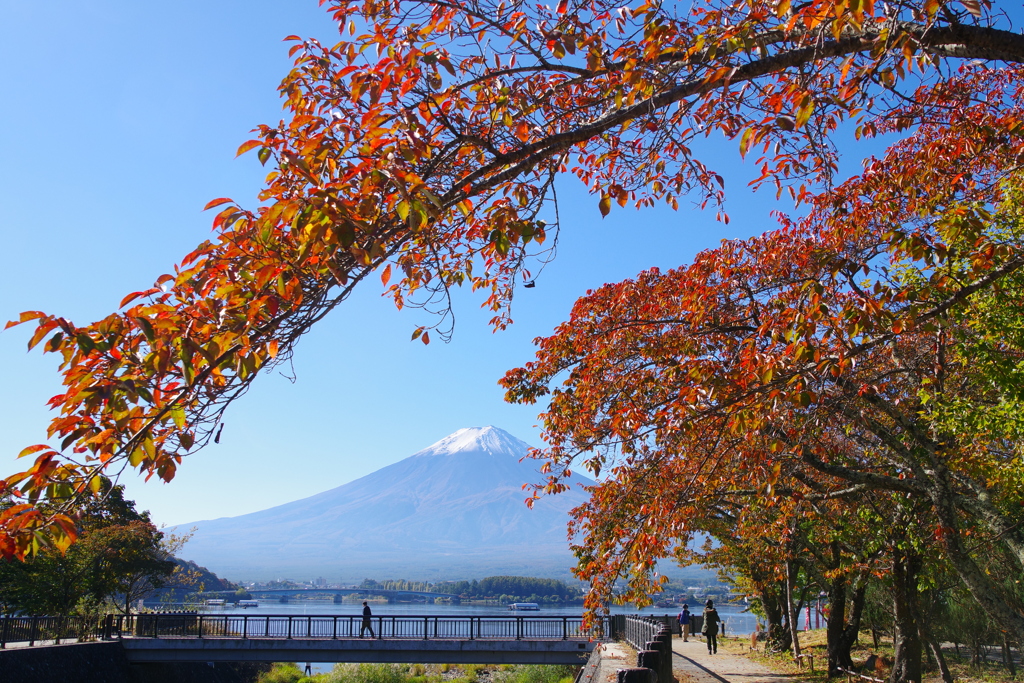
(391, 595)
(422, 639)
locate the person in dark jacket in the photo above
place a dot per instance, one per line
(684, 623)
(710, 627)
(366, 620)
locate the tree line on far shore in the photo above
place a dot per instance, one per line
(502, 588)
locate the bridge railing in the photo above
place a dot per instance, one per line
(404, 626)
(42, 629)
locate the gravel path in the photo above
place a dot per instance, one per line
(691, 661)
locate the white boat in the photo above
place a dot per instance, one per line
(214, 603)
(526, 606)
(248, 603)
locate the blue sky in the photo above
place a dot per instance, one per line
(121, 120)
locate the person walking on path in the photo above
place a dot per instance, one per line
(366, 620)
(710, 628)
(684, 623)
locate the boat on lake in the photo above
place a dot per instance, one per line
(525, 606)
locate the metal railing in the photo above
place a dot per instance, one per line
(40, 630)
(44, 630)
(642, 630)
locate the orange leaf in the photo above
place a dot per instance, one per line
(216, 202)
(25, 317)
(33, 449)
(247, 145)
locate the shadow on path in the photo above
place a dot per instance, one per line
(722, 668)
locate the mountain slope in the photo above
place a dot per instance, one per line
(452, 510)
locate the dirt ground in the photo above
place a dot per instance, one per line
(691, 663)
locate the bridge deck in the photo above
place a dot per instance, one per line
(367, 650)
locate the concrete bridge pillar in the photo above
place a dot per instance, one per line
(338, 598)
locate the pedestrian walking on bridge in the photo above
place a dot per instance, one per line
(367, 614)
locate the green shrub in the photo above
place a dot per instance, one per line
(535, 673)
(282, 672)
(367, 673)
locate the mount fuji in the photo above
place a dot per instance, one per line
(453, 510)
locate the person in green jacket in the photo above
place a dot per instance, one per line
(710, 627)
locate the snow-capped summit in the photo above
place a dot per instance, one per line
(490, 440)
(455, 509)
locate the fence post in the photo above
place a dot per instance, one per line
(649, 659)
(32, 632)
(636, 675)
(245, 627)
(200, 626)
(289, 628)
(3, 632)
(666, 643)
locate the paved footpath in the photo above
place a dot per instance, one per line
(691, 661)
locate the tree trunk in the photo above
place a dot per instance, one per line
(982, 588)
(836, 624)
(936, 650)
(1008, 657)
(906, 666)
(790, 614)
(841, 632)
(774, 609)
(839, 646)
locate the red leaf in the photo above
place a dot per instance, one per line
(135, 295)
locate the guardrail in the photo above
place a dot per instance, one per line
(34, 630)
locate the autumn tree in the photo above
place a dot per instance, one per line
(119, 558)
(833, 346)
(425, 146)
